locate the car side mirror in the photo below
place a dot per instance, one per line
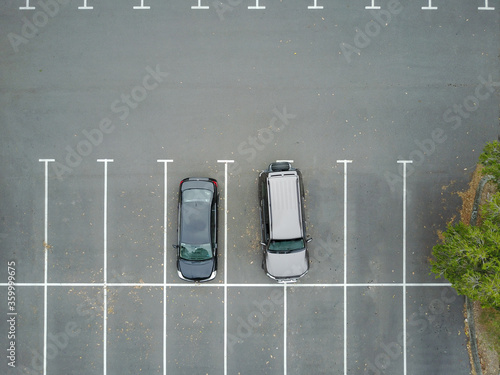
(309, 240)
(263, 244)
(175, 246)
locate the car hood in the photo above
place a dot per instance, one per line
(281, 265)
(196, 270)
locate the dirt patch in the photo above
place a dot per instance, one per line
(487, 354)
(469, 195)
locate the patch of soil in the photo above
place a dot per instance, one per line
(469, 195)
(488, 356)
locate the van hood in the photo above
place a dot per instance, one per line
(289, 265)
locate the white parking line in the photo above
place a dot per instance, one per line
(215, 285)
(256, 6)
(165, 163)
(142, 6)
(199, 6)
(315, 6)
(105, 266)
(46, 258)
(404, 162)
(27, 6)
(399, 284)
(85, 6)
(165, 180)
(486, 6)
(373, 6)
(225, 259)
(284, 327)
(345, 162)
(429, 7)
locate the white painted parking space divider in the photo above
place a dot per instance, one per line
(27, 6)
(165, 180)
(285, 327)
(429, 7)
(256, 6)
(373, 6)
(229, 285)
(225, 259)
(46, 258)
(85, 6)
(199, 6)
(105, 267)
(142, 6)
(345, 162)
(315, 6)
(404, 162)
(486, 6)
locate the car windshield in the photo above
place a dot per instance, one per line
(196, 252)
(286, 245)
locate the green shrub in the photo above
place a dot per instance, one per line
(490, 159)
(469, 256)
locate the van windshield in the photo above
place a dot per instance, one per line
(287, 245)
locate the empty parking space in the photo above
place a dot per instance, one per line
(255, 330)
(195, 330)
(375, 220)
(28, 325)
(325, 223)
(431, 314)
(28, 213)
(419, 244)
(315, 330)
(135, 330)
(375, 330)
(74, 335)
(75, 228)
(135, 222)
(244, 253)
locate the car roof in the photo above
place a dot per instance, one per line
(284, 205)
(195, 216)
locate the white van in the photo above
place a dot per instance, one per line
(283, 229)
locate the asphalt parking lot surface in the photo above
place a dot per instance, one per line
(106, 107)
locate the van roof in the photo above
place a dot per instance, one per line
(284, 205)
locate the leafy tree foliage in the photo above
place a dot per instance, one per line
(469, 256)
